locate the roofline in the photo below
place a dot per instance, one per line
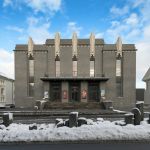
(6, 78)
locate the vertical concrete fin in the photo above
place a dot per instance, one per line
(30, 47)
(74, 44)
(119, 47)
(92, 44)
(57, 44)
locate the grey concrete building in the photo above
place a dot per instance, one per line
(146, 79)
(75, 71)
(6, 91)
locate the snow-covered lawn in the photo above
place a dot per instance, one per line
(100, 130)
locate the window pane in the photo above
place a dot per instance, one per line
(74, 68)
(118, 67)
(57, 68)
(31, 78)
(31, 68)
(91, 68)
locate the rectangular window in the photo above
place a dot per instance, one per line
(118, 67)
(74, 68)
(31, 68)
(57, 68)
(31, 78)
(2, 91)
(92, 68)
(119, 80)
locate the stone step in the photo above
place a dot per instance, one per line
(80, 105)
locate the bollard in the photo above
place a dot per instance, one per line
(66, 122)
(40, 104)
(58, 120)
(140, 106)
(82, 121)
(108, 105)
(137, 116)
(73, 118)
(33, 127)
(129, 118)
(7, 119)
(60, 124)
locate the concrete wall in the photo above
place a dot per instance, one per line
(21, 81)
(129, 79)
(65, 62)
(83, 61)
(147, 94)
(40, 65)
(51, 61)
(9, 90)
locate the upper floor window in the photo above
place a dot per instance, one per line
(31, 77)
(119, 80)
(118, 67)
(92, 66)
(2, 91)
(74, 66)
(57, 65)
(1, 82)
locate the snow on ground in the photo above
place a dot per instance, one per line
(100, 130)
(119, 111)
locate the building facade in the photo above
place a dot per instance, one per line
(6, 91)
(75, 71)
(146, 79)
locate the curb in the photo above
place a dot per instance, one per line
(80, 142)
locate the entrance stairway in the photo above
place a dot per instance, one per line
(73, 105)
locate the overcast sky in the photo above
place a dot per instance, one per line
(108, 19)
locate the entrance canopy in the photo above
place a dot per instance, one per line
(76, 79)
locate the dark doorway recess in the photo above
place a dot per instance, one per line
(74, 91)
(93, 92)
(55, 91)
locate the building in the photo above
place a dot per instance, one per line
(146, 79)
(140, 94)
(75, 71)
(6, 91)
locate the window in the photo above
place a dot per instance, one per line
(2, 91)
(119, 79)
(57, 68)
(31, 67)
(92, 68)
(118, 67)
(1, 82)
(31, 77)
(74, 68)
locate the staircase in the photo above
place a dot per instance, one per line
(73, 105)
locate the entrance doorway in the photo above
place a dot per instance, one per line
(55, 91)
(93, 92)
(74, 88)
